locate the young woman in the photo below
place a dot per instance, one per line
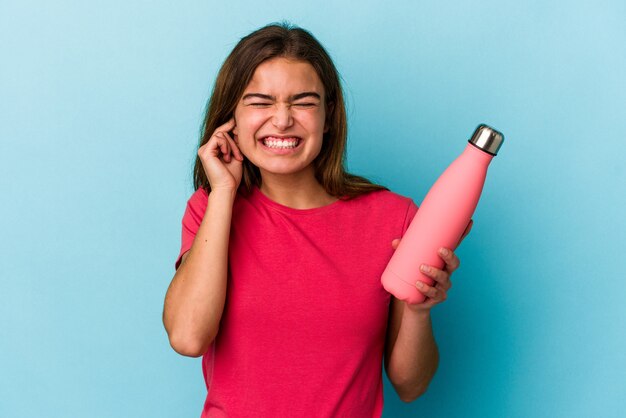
(278, 278)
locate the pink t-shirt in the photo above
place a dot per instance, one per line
(304, 324)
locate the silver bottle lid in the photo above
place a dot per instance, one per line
(487, 139)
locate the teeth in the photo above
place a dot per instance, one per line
(280, 143)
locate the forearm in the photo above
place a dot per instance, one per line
(195, 299)
(415, 356)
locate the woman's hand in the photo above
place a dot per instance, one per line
(222, 159)
(438, 292)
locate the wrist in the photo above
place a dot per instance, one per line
(417, 312)
(223, 193)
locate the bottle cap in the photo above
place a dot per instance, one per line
(487, 139)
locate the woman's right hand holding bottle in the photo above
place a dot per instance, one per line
(221, 159)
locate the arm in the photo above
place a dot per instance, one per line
(195, 299)
(411, 354)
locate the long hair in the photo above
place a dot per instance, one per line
(288, 41)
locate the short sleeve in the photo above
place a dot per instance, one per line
(194, 213)
(410, 214)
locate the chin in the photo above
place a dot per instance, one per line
(284, 168)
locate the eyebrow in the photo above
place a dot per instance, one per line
(291, 98)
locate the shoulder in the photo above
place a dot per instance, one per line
(198, 200)
(385, 200)
(196, 207)
(384, 207)
(199, 195)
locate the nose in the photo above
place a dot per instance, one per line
(282, 117)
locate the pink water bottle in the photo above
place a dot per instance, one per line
(442, 217)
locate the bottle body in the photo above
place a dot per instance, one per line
(440, 222)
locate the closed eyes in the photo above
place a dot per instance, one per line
(261, 100)
(301, 105)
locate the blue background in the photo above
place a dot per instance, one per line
(100, 108)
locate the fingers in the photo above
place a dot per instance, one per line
(448, 256)
(451, 260)
(227, 127)
(435, 293)
(222, 143)
(441, 278)
(227, 146)
(438, 291)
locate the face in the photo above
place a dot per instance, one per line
(280, 119)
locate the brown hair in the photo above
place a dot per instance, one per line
(284, 40)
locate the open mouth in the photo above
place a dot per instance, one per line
(280, 142)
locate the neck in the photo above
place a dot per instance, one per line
(297, 191)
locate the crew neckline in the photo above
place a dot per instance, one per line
(258, 195)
